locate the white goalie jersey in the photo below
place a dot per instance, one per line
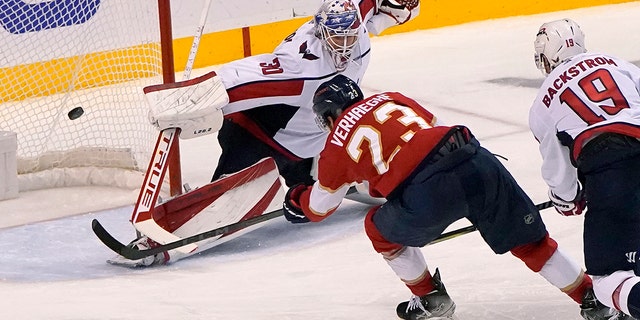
(275, 90)
(282, 83)
(278, 87)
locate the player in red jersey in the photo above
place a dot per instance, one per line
(267, 112)
(431, 175)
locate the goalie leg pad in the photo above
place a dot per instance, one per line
(240, 196)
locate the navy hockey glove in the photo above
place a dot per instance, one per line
(569, 208)
(291, 206)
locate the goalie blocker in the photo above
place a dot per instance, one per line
(194, 106)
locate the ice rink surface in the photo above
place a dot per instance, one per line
(478, 74)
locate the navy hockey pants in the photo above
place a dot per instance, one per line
(468, 183)
(610, 165)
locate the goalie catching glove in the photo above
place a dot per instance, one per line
(194, 106)
(569, 208)
(400, 10)
(291, 206)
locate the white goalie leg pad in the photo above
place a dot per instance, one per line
(194, 106)
(230, 208)
(243, 195)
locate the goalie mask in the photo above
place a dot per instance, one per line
(332, 98)
(337, 24)
(556, 42)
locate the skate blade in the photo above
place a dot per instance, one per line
(124, 262)
(451, 317)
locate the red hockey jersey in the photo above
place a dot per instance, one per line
(380, 140)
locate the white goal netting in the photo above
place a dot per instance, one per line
(94, 54)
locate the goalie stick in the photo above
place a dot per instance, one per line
(142, 217)
(134, 254)
(166, 145)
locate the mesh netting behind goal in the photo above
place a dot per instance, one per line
(96, 55)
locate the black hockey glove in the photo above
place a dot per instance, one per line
(291, 206)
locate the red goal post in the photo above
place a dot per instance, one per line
(92, 57)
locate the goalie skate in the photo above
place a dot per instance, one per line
(140, 244)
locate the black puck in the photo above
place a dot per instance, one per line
(75, 113)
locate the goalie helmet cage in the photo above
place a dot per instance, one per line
(92, 57)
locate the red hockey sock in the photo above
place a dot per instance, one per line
(422, 286)
(577, 292)
(536, 254)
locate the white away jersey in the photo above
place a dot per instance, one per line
(281, 84)
(285, 81)
(584, 96)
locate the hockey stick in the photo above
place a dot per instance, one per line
(141, 217)
(462, 231)
(134, 254)
(196, 41)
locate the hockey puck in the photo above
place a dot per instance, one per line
(75, 113)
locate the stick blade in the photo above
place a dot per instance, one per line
(106, 238)
(117, 246)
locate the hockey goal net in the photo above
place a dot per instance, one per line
(93, 57)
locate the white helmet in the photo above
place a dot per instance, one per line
(556, 42)
(337, 24)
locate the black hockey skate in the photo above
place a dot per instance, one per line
(435, 305)
(592, 309)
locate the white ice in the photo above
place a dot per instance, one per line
(479, 74)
